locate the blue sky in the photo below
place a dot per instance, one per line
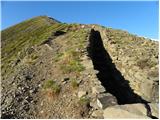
(139, 18)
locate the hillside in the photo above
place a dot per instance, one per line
(56, 70)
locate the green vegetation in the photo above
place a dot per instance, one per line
(71, 62)
(24, 35)
(52, 85)
(31, 58)
(58, 57)
(69, 59)
(74, 83)
(84, 100)
(72, 66)
(34, 56)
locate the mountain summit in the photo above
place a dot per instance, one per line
(57, 70)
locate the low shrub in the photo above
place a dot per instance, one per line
(84, 100)
(52, 86)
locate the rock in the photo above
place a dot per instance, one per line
(148, 89)
(154, 109)
(105, 100)
(82, 26)
(96, 81)
(26, 107)
(29, 99)
(39, 85)
(65, 79)
(9, 100)
(79, 81)
(64, 82)
(41, 111)
(64, 95)
(29, 77)
(97, 114)
(81, 93)
(98, 89)
(112, 113)
(32, 91)
(42, 103)
(96, 71)
(94, 105)
(126, 111)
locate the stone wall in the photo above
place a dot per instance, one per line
(139, 79)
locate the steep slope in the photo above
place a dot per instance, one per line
(57, 70)
(22, 36)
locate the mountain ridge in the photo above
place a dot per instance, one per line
(55, 20)
(52, 69)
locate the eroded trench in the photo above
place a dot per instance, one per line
(110, 77)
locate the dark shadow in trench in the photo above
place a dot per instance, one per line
(109, 75)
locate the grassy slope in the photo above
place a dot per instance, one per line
(18, 38)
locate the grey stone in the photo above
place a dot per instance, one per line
(154, 109)
(126, 111)
(98, 89)
(79, 81)
(97, 114)
(94, 105)
(105, 100)
(9, 100)
(96, 81)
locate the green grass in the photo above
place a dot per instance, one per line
(31, 59)
(71, 62)
(84, 100)
(74, 83)
(52, 85)
(58, 57)
(72, 66)
(29, 33)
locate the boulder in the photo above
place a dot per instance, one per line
(105, 100)
(129, 111)
(154, 109)
(97, 114)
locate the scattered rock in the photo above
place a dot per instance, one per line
(9, 100)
